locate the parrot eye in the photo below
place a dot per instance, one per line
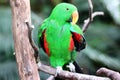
(67, 9)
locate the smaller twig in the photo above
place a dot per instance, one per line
(68, 75)
(30, 28)
(91, 16)
(109, 73)
(88, 21)
(90, 9)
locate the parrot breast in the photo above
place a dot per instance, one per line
(58, 44)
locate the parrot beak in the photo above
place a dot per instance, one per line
(75, 17)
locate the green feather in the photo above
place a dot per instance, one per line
(77, 29)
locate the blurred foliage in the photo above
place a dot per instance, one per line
(102, 36)
(6, 40)
(8, 71)
(114, 9)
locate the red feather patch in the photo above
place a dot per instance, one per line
(71, 44)
(77, 37)
(46, 46)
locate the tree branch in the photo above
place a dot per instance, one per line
(109, 73)
(68, 75)
(91, 16)
(24, 52)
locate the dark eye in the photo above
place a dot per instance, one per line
(67, 9)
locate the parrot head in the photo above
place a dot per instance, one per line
(65, 12)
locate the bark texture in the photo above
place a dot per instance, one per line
(24, 52)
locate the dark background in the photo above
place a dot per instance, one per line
(102, 36)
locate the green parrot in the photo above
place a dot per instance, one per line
(60, 36)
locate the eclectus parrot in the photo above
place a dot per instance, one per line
(60, 36)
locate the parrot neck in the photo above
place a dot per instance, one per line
(57, 19)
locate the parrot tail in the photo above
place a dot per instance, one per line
(56, 78)
(77, 67)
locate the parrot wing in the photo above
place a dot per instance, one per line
(42, 29)
(77, 35)
(41, 33)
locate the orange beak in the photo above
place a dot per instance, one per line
(75, 17)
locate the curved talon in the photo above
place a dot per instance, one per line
(71, 67)
(58, 70)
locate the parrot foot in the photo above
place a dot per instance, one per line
(71, 67)
(58, 70)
